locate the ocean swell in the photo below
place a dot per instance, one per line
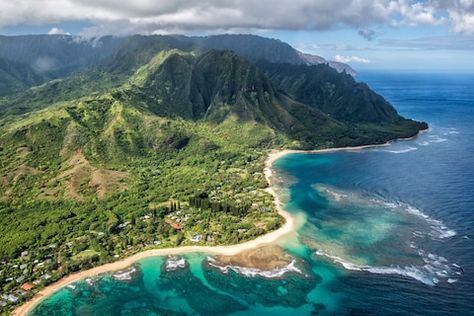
(435, 268)
(438, 229)
(398, 151)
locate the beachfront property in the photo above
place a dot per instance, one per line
(27, 286)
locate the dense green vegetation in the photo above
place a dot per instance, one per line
(161, 145)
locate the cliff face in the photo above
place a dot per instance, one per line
(317, 60)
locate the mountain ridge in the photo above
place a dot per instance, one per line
(55, 56)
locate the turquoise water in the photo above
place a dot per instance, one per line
(384, 231)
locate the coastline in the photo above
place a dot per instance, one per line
(277, 154)
(216, 250)
(229, 250)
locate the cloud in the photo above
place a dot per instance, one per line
(459, 12)
(415, 13)
(368, 34)
(44, 64)
(454, 42)
(463, 22)
(178, 16)
(337, 47)
(351, 59)
(58, 31)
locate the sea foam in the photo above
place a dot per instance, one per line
(435, 267)
(125, 275)
(438, 229)
(399, 151)
(174, 263)
(253, 272)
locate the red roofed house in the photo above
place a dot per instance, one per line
(27, 286)
(174, 225)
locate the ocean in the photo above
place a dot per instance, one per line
(382, 231)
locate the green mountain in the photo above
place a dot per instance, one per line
(155, 130)
(45, 57)
(15, 77)
(40, 58)
(338, 95)
(110, 113)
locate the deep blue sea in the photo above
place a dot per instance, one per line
(382, 231)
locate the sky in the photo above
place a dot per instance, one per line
(430, 35)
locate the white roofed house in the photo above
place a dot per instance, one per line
(196, 238)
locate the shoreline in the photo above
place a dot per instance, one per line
(277, 154)
(229, 250)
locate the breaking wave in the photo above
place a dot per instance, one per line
(174, 263)
(435, 268)
(253, 272)
(433, 139)
(125, 275)
(438, 229)
(399, 151)
(450, 131)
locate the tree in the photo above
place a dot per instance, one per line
(179, 238)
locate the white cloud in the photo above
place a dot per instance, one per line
(463, 22)
(158, 16)
(351, 59)
(415, 13)
(58, 31)
(459, 12)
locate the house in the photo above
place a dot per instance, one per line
(123, 225)
(46, 276)
(10, 297)
(27, 286)
(174, 225)
(21, 292)
(24, 253)
(196, 238)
